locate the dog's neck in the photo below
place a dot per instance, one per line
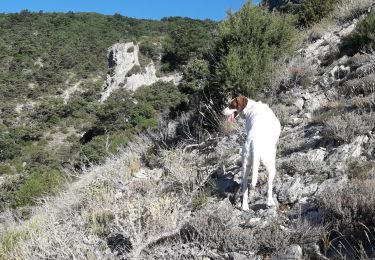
(247, 111)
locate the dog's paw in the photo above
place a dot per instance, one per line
(245, 207)
(271, 203)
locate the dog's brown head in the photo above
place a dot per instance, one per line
(235, 107)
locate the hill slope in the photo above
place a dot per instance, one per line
(162, 198)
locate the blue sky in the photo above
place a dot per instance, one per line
(148, 9)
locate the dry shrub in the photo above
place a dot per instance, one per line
(359, 86)
(350, 211)
(348, 10)
(353, 202)
(180, 169)
(357, 60)
(361, 170)
(284, 113)
(364, 103)
(303, 164)
(345, 127)
(292, 73)
(317, 30)
(215, 230)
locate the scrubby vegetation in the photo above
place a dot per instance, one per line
(43, 127)
(248, 44)
(362, 38)
(173, 191)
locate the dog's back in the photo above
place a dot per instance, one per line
(262, 125)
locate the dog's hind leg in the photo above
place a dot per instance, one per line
(270, 163)
(255, 155)
(246, 164)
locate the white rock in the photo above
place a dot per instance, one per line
(299, 103)
(122, 58)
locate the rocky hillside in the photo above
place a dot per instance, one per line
(165, 199)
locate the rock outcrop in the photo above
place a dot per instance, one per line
(122, 58)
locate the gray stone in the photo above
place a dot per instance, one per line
(337, 159)
(316, 155)
(290, 190)
(237, 256)
(332, 184)
(293, 252)
(299, 103)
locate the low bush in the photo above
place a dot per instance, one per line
(345, 127)
(362, 38)
(348, 10)
(348, 213)
(136, 69)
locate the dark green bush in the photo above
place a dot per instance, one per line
(249, 42)
(196, 75)
(191, 38)
(362, 38)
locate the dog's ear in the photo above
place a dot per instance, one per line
(233, 104)
(241, 102)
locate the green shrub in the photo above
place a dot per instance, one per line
(249, 42)
(149, 49)
(95, 150)
(136, 69)
(143, 116)
(44, 181)
(362, 38)
(6, 168)
(196, 75)
(162, 96)
(114, 114)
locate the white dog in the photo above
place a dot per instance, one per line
(263, 131)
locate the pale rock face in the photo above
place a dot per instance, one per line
(148, 77)
(121, 59)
